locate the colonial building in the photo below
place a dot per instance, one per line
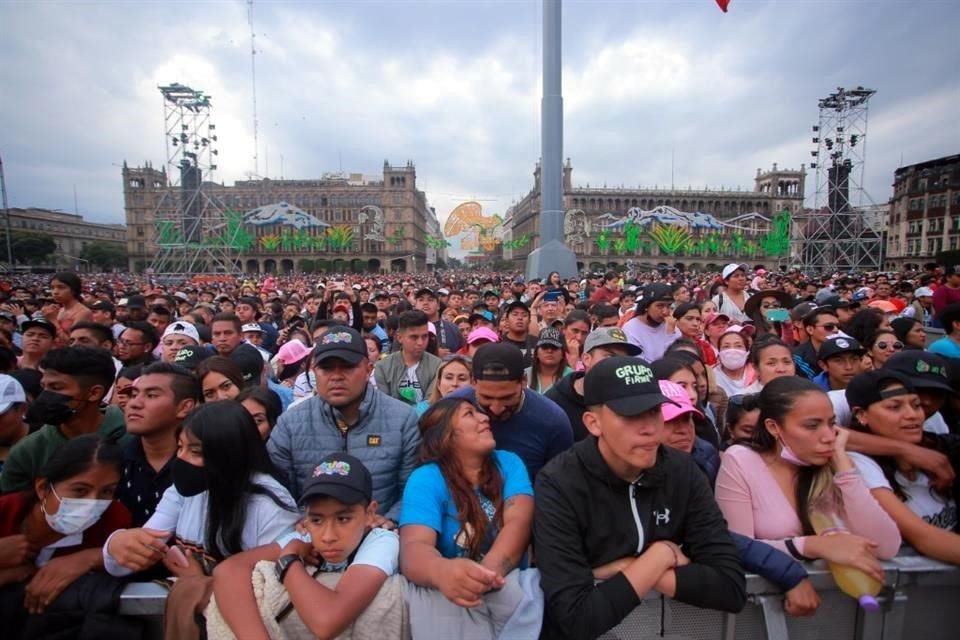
(336, 223)
(702, 227)
(71, 233)
(924, 214)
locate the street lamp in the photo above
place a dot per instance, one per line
(6, 214)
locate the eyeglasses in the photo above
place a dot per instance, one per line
(896, 346)
(456, 357)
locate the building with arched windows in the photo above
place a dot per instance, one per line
(335, 223)
(702, 227)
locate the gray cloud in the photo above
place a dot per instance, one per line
(455, 87)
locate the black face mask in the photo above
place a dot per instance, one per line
(50, 407)
(189, 479)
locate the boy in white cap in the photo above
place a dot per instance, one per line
(176, 336)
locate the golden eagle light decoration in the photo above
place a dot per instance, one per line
(483, 233)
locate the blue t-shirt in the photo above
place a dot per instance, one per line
(427, 501)
(538, 432)
(945, 347)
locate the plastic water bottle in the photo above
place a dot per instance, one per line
(825, 516)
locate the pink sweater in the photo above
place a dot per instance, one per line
(754, 505)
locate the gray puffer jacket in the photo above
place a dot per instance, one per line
(385, 438)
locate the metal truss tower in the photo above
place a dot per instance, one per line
(191, 223)
(838, 234)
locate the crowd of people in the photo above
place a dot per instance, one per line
(464, 454)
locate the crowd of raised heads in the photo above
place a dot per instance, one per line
(466, 454)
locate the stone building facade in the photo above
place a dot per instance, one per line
(70, 231)
(749, 212)
(924, 216)
(383, 219)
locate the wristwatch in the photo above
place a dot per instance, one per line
(283, 565)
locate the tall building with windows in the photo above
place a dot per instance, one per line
(924, 216)
(704, 227)
(70, 231)
(336, 223)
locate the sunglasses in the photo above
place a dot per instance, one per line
(828, 326)
(896, 346)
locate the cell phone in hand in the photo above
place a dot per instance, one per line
(777, 315)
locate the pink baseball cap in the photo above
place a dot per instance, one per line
(679, 404)
(713, 316)
(747, 329)
(293, 351)
(483, 333)
(432, 328)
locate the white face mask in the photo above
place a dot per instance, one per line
(733, 358)
(75, 514)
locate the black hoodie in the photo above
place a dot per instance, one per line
(585, 516)
(571, 402)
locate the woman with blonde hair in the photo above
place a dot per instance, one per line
(455, 371)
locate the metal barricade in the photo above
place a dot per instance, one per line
(920, 600)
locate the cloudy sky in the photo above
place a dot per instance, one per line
(454, 85)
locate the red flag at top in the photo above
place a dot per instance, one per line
(723, 5)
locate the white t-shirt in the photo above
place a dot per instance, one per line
(652, 340)
(935, 508)
(411, 381)
(730, 386)
(187, 518)
(934, 424)
(380, 549)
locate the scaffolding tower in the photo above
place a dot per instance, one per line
(192, 230)
(839, 233)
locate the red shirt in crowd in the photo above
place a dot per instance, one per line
(14, 508)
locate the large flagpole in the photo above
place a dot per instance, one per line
(552, 254)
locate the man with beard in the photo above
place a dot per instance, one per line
(648, 329)
(524, 422)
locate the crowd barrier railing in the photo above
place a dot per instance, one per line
(920, 599)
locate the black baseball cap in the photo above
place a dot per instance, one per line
(551, 337)
(500, 360)
(425, 291)
(250, 361)
(340, 342)
(624, 384)
(102, 305)
(340, 476)
(837, 302)
(867, 388)
(926, 370)
(136, 302)
(190, 356)
(41, 323)
(516, 304)
(835, 345)
(656, 292)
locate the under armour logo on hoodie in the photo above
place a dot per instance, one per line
(662, 517)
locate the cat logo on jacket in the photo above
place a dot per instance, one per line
(373, 441)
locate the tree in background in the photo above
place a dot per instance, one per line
(29, 247)
(106, 255)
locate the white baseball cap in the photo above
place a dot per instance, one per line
(731, 268)
(11, 392)
(251, 326)
(182, 328)
(923, 292)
